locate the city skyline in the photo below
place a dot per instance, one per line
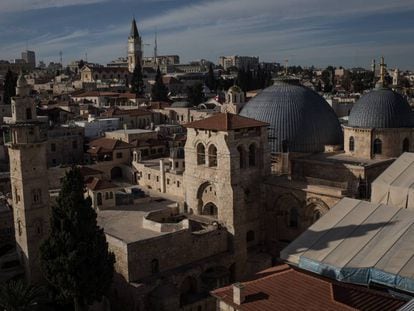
(318, 33)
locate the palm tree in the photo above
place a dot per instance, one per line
(17, 296)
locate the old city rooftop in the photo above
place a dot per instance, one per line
(225, 122)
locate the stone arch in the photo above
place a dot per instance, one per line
(188, 290)
(212, 155)
(377, 148)
(201, 153)
(206, 194)
(116, 172)
(210, 209)
(242, 156)
(315, 209)
(287, 216)
(406, 145)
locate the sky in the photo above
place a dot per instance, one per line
(346, 33)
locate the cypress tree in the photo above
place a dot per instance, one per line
(137, 83)
(159, 91)
(75, 257)
(195, 94)
(211, 81)
(10, 82)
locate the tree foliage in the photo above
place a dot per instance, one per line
(10, 82)
(137, 82)
(195, 94)
(211, 81)
(15, 295)
(249, 79)
(159, 92)
(75, 257)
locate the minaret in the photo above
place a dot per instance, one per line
(373, 67)
(381, 82)
(26, 143)
(134, 47)
(396, 77)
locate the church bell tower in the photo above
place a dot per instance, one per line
(134, 47)
(26, 140)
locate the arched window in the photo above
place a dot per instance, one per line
(99, 198)
(155, 266)
(293, 217)
(28, 113)
(406, 145)
(210, 210)
(250, 236)
(316, 215)
(242, 160)
(252, 155)
(351, 143)
(212, 156)
(201, 154)
(377, 146)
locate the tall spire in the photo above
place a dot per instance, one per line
(134, 30)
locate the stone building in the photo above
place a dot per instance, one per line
(26, 143)
(234, 100)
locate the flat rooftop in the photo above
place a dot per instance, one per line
(341, 157)
(125, 222)
(133, 131)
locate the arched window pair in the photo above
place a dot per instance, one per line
(351, 144)
(242, 156)
(212, 155)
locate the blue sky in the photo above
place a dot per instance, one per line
(318, 32)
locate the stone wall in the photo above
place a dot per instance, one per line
(172, 251)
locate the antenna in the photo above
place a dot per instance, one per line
(155, 47)
(86, 56)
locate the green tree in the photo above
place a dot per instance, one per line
(10, 81)
(137, 82)
(159, 91)
(75, 257)
(17, 296)
(195, 94)
(211, 81)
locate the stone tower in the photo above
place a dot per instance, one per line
(234, 100)
(134, 47)
(26, 140)
(226, 158)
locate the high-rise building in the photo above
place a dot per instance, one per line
(240, 62)
(29, 57)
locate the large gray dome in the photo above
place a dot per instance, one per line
(298, 117)
(381, 108)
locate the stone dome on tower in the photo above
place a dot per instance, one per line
(300, 119)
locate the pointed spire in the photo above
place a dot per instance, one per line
(134, 30)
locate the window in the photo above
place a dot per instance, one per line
(99, 199)
(74, 144)
(28, 113)
(111, 195)
(250, 236)
(377, 146)
(106, 195)
(168, 181)
(351, 144)
(241, 156)
(53, 147)
(158, 179)
(201, 154)
(178, 184)
(155, 266)
(119, 155)
(406, 145)
(252, 155)
(36, 196)
(212, 156)
(293, 217)
(149, 176)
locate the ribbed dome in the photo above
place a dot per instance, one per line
(381, 108)
(297, 115)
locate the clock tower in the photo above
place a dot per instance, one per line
(134, 47)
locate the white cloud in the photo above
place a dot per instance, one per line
(27, 5)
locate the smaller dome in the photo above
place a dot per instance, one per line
(235, 89)
(182, 104)
(381, 108)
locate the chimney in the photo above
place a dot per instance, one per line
(238, 293)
